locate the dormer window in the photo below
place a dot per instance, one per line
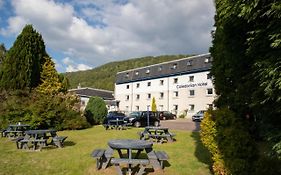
(137, 73)
(147, 71)
(189, 63)
(174, 66)
(208, 60)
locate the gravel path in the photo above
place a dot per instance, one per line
(181, 124)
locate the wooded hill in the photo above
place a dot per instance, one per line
(103, 77)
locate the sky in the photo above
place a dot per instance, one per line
(84, 34)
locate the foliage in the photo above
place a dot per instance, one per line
(153, 105)
(233, 151)
(51, 84)
(246, 67)
(23, 63)
(2, 53)
(103, 77)
(95, 110)
(41, 111)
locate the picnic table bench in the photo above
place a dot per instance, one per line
(15, 130)
(37, 139)
(157, 134)
(116, 124)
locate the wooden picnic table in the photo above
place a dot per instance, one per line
(40, 138)
(115, 124)
(15, 130)
(129, 145)
(158, 134)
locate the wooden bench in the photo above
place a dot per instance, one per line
(102, 157)
(98, 154)
(140, 162)
(157, 159)
(59, 140)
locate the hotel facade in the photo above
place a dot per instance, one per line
(181, 86)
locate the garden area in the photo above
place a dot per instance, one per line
(187, 155)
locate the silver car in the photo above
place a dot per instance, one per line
(198, 116)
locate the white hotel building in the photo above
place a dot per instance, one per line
(179, 86)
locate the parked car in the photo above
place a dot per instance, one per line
(198, 116)
(165, 115)
(139, 118)
(114, 115)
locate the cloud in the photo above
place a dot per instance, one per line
(97, 32)
(72, 66)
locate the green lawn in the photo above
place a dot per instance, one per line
(187, 155)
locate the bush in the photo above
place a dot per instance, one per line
(226, 137)
(96, 110)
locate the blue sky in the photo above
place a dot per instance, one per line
(83, 34)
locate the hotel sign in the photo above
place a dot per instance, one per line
(192, 85)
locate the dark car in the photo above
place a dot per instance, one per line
(198, 116)
(166, 115)
(139, 118)
(114, 115)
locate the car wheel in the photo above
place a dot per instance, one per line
(156, 123)
(137, 124)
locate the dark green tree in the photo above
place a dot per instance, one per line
(247, 64)
(23, 64)
(2, 53)
(96, 110)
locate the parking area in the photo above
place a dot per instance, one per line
(181, 124)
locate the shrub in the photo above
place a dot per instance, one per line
(226, 137)
(96, 110)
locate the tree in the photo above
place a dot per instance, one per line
(2, 53)
(23, 64)
(51, 84)
(153, 105)
(247, 63)
(96, 110)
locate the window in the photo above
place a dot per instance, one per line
(138, 96)
(175, 107)
(137, 108)
(209, 76)
(191, 92)
(161, 95)
(147, 71)
(138, 85)
(191, 78)
(176, 93)
(191, 107)
(208, 59)
(83, 103)
(175, 80)
(128, 86)
(137, 73)
(161, 82)
(210, 106)
(127, 75)
(148, 96)
(148, 83)
(189, 63)
(160, 68)
(127, 97)
(209, 91)
(174, 66)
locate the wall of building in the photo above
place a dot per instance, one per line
(171, 93)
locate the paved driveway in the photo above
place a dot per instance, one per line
(181, 124)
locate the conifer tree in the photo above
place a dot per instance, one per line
(51, 84)
(153, 105)
(23, 63)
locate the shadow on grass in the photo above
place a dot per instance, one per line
(201, 152)
(68, 143)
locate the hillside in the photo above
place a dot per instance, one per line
(103, 77)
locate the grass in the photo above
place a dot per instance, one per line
(187, 155)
